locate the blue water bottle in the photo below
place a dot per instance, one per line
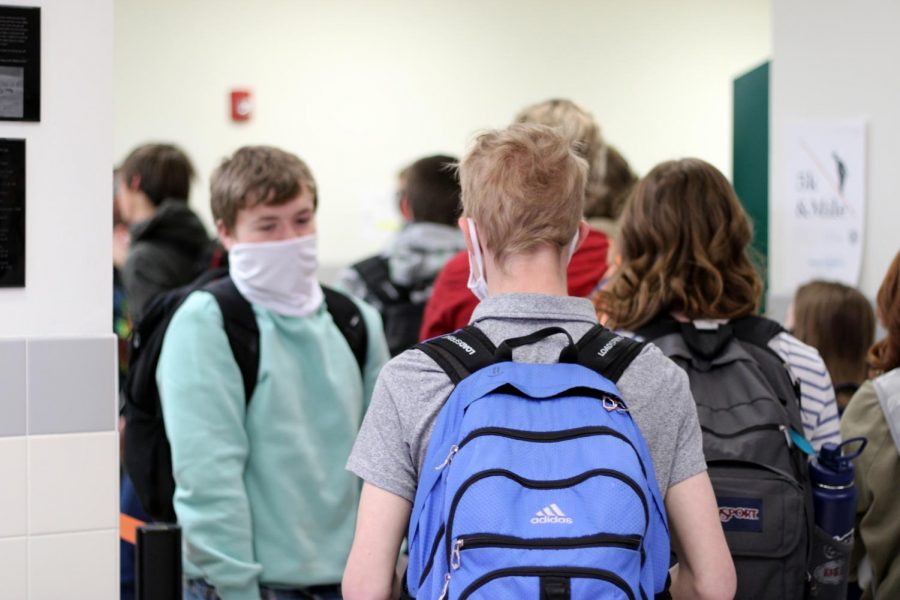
(834, 505)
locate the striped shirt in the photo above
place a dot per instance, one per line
(818, 405)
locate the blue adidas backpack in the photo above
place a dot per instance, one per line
(537, 484)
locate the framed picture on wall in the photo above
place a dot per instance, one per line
(20, 63)
(12, 213)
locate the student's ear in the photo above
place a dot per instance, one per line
(134, 184)
(583, 231)
(405, 209)
(224, 236)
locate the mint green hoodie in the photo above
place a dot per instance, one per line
(261, 491)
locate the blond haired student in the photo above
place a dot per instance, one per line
(523, 199)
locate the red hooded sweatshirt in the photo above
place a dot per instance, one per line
(451, 304)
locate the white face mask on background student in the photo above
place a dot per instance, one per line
(280, 276)
(478, 284)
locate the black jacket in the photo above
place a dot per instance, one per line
(168, 250)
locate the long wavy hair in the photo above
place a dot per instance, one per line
(684, 241)
(885, 354)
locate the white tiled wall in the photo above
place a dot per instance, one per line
(70, 487)
(59, 492)
(74, 565)
(14, 568)
(14, 490)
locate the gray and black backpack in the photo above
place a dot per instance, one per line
(749, 409)
(401, 307)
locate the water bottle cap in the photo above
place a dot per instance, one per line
(832, 466)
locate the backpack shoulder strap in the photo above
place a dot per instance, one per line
(606, 352)
(702, 344)
(241, 329)
(660, 326)
(758, 331)
(755, 330)
(349, 320)
(375, 274)
(460, 353)
(373, 269)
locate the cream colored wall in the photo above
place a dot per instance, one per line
(67, 290)
(359, 88)
(831, 62)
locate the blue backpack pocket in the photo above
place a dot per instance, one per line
(537, 582)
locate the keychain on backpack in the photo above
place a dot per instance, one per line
(834, 501)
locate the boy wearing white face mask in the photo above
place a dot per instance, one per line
(523, 193)
(265, 505)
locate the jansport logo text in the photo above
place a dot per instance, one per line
(727, 513)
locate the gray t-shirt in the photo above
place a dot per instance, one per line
(412, 389)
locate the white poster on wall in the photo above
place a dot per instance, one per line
(824, 208)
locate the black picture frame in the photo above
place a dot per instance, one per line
(20, 63)
(12, 213)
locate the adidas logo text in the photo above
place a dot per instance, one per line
(468, 349)
(550, 514)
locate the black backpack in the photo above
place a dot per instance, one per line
(148, 458)
(748, 405)
(401, 307)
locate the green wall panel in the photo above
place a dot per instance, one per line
(751, 154)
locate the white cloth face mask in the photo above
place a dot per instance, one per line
(280, 276)
(573, 246)
(478, 285)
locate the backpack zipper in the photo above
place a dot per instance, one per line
(434, 547)
(453, 450)
(484, 540)
(572, 572)
(540, 436)
(445, 588)
(539, 485)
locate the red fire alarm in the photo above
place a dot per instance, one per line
(241, 105)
